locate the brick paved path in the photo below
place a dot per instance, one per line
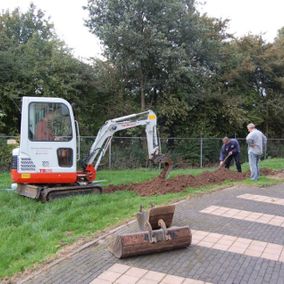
(238, 237)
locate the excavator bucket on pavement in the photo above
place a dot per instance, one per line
(156, 235)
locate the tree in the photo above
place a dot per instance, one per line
(166, 52)
(153, 43)
(252, 76)
(33, 62)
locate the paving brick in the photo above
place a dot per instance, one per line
(171, 279)
(192, 281)
(136, 272)
(146, 281)
(100, 281)
(153, 275)
(119, 268)
(109, 276)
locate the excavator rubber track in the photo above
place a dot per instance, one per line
(46, 194)
(55, 193)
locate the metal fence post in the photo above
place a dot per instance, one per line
(201, 152)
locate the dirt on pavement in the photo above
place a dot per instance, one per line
(159, 185)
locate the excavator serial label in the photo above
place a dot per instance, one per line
(25, 175)
(45, 170)
(152, 116)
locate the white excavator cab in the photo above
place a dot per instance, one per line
(48, 142)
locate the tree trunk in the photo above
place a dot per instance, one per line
(142, 93)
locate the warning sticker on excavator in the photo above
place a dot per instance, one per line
(25, 175)
(151, 116)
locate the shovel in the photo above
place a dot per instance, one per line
(221, 166)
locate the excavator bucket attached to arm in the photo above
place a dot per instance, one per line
(167, 164)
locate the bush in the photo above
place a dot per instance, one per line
(5, 155)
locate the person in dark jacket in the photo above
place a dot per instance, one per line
(229, 151)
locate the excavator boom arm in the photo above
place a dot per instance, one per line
(106, 132)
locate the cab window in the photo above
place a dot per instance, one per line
(65, 157)
(49, 122)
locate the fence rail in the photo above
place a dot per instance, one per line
(131, 152)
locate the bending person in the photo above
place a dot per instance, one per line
(229, 151)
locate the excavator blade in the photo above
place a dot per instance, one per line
(139, 243)
(30, 191)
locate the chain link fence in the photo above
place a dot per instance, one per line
(131, 152)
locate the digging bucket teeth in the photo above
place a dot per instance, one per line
(149, 239)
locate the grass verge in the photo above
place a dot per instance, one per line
(31, 231)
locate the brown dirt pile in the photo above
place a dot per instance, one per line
(179, 183)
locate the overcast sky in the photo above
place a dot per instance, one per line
(247, 16)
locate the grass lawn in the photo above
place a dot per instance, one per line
(31, 231)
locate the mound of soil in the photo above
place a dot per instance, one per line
(159, 185)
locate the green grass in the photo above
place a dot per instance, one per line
(129, 176)
(31, 231)
(275, 164)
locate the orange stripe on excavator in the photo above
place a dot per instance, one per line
(43, 177)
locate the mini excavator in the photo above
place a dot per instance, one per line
(44, 166)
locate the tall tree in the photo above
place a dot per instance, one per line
(252, 76)
(33, 62)
(153, 42)
(166, 52)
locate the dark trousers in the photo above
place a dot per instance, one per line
(237, 158)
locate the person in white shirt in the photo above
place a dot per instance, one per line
(257, 142)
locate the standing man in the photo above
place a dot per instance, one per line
(229, 151)
(257, 142)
